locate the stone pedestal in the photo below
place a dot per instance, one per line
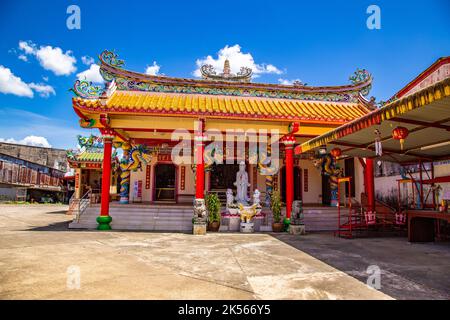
(234, 224)
(297, 229)
(199, 229)
(247, 227)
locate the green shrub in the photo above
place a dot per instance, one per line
(213, 206)
(275, 206)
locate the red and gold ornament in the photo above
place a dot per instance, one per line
(400, 133)
(336, 152)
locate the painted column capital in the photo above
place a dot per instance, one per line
(107, 134)
(288, 141)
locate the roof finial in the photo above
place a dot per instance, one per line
(208, 73)
(226, 68)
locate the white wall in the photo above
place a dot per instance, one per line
(389, 185)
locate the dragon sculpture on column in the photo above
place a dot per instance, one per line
(328, 167)
(134, 157)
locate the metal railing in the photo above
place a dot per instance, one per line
(83, 203)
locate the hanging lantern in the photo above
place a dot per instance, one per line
(400, 133)
(336, 153)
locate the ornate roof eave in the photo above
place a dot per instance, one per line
(111, 69)
(98, 110)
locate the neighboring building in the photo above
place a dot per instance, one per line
(49, 157)
(438, 71)
(23, 180)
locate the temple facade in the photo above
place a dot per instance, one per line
(182, 138)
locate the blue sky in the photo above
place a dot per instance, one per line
(318, 42)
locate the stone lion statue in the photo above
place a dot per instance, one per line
(200, 214)
(256, 197)
(247, 214)
(297, 212)
(230, 197)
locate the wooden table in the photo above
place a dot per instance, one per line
(421, 224)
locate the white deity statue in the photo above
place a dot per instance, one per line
(242, 184)
(256, 197)
(230, 197)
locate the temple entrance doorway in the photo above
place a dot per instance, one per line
(297, 184)
(326, 190)
(223, 176)
(165, 179)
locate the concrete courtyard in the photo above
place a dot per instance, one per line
(39, 255)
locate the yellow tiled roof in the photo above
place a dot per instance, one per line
(225, 106)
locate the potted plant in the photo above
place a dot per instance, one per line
(213, 207)
(275, 206)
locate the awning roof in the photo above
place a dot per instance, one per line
(426, 114)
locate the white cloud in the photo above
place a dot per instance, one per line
(55, 60)
(51, 58)
(30, 141)
(11, 84)
(288, 82)
(27, 46)
(153, 70)
(23, 57)
(44, 90)
(270, 68)
(237, 60)
(87, 60)
(91, 74)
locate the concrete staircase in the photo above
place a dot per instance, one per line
(140, 217)
(321, 218)
(179, 218)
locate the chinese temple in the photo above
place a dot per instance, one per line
(145, 116)
(87, 166)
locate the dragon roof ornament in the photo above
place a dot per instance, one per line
(362, 76)
(228, 84)
(209, 73)
(85, 89)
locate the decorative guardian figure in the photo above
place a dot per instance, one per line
(247, 214)
(256, 197)
(230, 197)
(200, 214)
(242, 184)
(297, 213)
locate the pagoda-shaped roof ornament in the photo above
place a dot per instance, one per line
(209, 73)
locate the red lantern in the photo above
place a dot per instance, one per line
(400, 133)
(336, 152)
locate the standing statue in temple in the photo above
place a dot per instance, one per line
(242, 184)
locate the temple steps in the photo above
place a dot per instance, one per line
(136, 217)
(321, 219)
(170, 218)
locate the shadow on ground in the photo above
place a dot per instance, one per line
(58, 226)
(408, 270)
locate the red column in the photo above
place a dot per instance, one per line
(200, 166)
(106, 175)
(370, 184)
(289, 151)
(200, 170)
(105, 219)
